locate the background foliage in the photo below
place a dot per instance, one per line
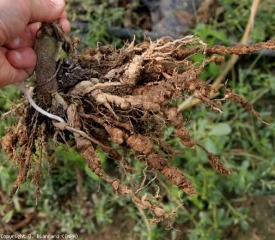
(75, 201)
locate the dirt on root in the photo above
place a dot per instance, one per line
(118, 99)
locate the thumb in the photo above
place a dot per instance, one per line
(46, 10)
(16, 15)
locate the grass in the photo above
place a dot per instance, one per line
(75, 201)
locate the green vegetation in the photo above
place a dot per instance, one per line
(75, 201)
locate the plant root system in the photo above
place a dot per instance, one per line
(120, 101)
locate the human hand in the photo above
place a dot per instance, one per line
(19, 22)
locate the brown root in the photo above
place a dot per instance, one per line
(120, 101)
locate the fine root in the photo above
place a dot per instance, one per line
(120, 101)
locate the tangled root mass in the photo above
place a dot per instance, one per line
(120, 99)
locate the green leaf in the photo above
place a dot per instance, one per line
(220, 129)
(211, 146)
(91, 174)
(214, 69)
(8, 216)
(101, 154)
(175, 192)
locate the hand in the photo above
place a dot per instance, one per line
(19, 22)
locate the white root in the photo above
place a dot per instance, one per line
(24, 89)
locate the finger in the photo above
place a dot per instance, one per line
(64, 15)
(21, 57)
(26, 39)
(16, 15)
(10, 74)
(13, 75)
(64, 22)
(46, 10)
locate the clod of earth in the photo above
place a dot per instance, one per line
(117, 99)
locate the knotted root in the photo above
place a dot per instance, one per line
(121, 101)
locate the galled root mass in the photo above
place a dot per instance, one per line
(119, 100)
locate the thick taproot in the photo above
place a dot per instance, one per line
(46, 49)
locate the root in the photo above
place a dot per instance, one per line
(120, 101)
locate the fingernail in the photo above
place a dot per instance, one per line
(16, 41)
(57, 2)
(17, 55)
